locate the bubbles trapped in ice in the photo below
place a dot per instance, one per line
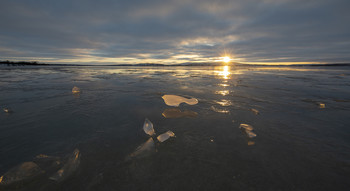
(175, 100)
(22, 172)
(76, 90)
(143, 150)
(248, 130)
(165, 136)
(177, 113)
(148, 127)
(255, 111)
(69, 168)
(218, 110)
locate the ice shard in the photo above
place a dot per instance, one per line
(165, 136)
(148, 127)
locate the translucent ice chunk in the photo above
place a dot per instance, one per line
(177, 113)
(148, 127)
(76, 90)
(165, 136)
(22, 172)
(144, 149)
(174, 100)
(69, 168)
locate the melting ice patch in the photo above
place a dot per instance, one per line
(175, 100)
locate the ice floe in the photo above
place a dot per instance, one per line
(175, 100)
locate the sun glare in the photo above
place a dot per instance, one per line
(226, 59)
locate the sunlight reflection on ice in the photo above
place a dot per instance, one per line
(224, 102)
(219, 110)
(222, 92)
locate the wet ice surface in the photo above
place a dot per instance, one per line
(300, 118)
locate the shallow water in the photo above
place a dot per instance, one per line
(299, 145)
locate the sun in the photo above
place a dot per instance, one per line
(226, 59)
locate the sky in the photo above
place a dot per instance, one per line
(175, 31)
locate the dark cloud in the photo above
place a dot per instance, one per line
(159, 31)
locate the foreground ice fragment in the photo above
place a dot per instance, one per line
(165, 136)
(76, 90)
(144, 149)
(177, 113)
(148, 127)
(22, 172)
(175, 100)
(69, 168)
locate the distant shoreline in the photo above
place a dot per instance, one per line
(35, 63)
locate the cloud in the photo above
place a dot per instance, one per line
(175, 31)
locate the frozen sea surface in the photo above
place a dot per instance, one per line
(300, 118)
